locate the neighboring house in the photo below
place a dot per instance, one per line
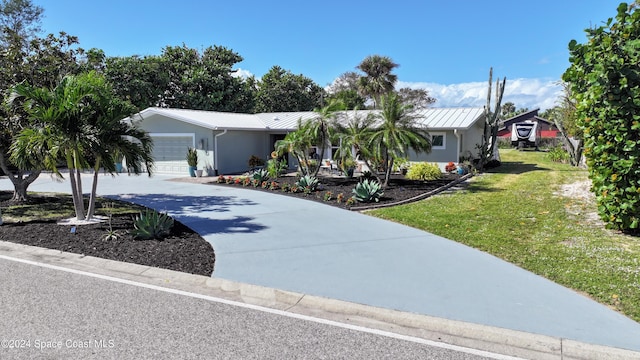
(226, 141)
(547, 128)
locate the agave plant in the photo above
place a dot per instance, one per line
(151, 224)
(261, 175)
(368, 191)
(308, 182)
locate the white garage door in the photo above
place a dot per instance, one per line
(170, 152)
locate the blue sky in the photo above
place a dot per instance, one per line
(446, 47)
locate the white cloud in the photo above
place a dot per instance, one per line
(523, 93)
(242, 73)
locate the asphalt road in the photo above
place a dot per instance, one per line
(48, 313)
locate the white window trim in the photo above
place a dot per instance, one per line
(444, 140)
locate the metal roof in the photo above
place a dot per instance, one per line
(432, 118)
(209, 119)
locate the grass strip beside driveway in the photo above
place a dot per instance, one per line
(516, 213)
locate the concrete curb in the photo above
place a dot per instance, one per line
(475, 336)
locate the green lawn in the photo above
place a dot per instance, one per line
(513, 213)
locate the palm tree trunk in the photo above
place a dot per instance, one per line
(80, 194)
(323, 148)
(77, 202)
(387, 173)
(94, 186)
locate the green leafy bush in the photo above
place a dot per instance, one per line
(424, 171)
(605, 81)
(151, 224)
(368, 191)
(275, 167)
(308, 182)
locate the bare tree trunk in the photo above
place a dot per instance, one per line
(20, 180)
(574, 146)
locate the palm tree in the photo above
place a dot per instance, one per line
(319, 129)
(397, 133)
(114, 140)
(378, 79)
(297, 143)
(353, 137)
(59, 111)
(80, 123)
(313, 132)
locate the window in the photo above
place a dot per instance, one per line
(438, 141)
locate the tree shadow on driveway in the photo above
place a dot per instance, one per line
(188, 210)
(235, 225)
(185, 205)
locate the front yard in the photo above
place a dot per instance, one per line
(520, 213)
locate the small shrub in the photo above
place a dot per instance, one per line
(151, 224)
(246, 181)
(558, 154)
(221, 179)
(274, 185)
(264, 184)
(255, 161)
(238, 181)
(368, 191)
(367, 175)
(229, 179)
(401, 165)
(275, 167)
(308, 181)
(260, 175)
(285, 187)
(350, 201)
(424, 171)
(328, 196)
(255, 183)
(111, 234)
(340, 198)
(295, 188)
(192, 157)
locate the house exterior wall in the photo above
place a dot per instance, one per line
(440, 156)
(236, 147)
(471, 138)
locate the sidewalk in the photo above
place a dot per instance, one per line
(306, 247)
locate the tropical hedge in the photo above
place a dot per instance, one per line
(605, 80)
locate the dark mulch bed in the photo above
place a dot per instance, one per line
(183, 250)
(399, 189)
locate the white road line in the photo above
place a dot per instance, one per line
(271, 311)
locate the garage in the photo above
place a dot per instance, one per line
(170, 151)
